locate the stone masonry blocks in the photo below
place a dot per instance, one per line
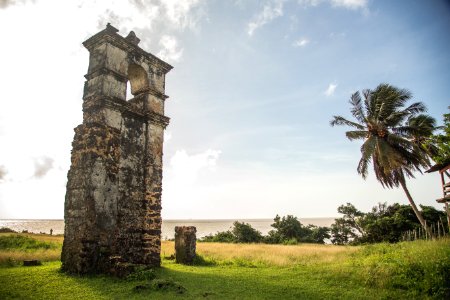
(185, 244)
(112, 209)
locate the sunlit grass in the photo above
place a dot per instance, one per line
(58, 239)
(47, 248)
(408, 270)
(274, 255)
(10, 258)
(421, 265)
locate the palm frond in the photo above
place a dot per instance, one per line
(399, 141)
(338, 120)
(356, 134)
(388, 156)
(415, 108)
(389, 100)
(399, 116)
(369, 102)
(404, 131)
(386, 179)
(357, 108)
(367, 150)
(415, 156)
(422, 125)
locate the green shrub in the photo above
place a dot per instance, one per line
(240, 233)
(289, 228)
(292, 241)
(20, 242)
(219, 237)
(384, 223)
(245, 233)
(420, 267)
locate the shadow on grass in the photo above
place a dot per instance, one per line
(205, 262)
(203, 280)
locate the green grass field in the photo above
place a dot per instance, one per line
(414, 270)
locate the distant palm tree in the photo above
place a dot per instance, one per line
(392, 135)
(422, 128)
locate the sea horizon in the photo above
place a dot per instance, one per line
(190, 219)
(204, 226)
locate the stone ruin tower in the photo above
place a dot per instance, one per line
(112, 208)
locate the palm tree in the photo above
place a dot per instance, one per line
(392, 133)
(422, 129)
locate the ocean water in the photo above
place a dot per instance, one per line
(204, 227)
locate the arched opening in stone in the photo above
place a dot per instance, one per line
(129, 94)
(137, 81)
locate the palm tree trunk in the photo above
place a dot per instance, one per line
(415, 209)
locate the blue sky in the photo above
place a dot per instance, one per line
(254, 86)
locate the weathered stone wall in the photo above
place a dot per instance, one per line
(113, 200)
(185, 244)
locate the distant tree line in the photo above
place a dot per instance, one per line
(384, 223)
(287, 230)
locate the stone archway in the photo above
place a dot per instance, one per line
(112, 208)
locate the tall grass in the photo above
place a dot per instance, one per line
(421, 266)
(419, 269)
(15, 248)
(20, 242)
(268, 255)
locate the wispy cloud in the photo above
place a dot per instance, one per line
(153, 20)
(3, 173)
(180, 12)
(41, 166)
(270, 11)
(170, 51)
(348, 4)
(300, 42)
(7, 3)
(306, 3)
(331, 89)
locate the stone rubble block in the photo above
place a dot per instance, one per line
(185, 244)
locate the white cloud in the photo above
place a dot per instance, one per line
(6, 3)
(185, 168)
(309, 2)
(19, 186)
(170, 51)
(330, 90)
(41, 166)
(185, 181)
(3, 173)
(301, 43)
(167, 136)
(350, 4)
(271, 10)
(180, 12)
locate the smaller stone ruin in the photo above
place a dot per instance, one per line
(185, 243)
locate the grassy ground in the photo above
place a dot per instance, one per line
(414, 270)
(13, 251)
